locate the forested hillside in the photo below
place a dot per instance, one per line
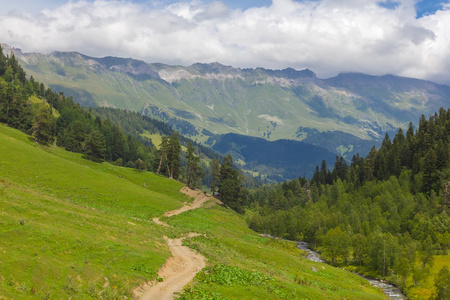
(117, 136)
(273, 160)
(385, 215)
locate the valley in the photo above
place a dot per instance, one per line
(75, 236)
(92, 208)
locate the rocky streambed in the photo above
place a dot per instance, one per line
(393, 292)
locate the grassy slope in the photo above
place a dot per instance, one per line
(67, 223)
(228, 241)
(73, 228)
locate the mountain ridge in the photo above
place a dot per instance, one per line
(219, 99)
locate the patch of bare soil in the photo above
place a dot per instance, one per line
(178, 271)
(200, 198)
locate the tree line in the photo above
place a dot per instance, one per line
(386, 214)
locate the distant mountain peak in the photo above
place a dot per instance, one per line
(272, 104)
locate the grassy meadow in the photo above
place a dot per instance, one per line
(74, 229)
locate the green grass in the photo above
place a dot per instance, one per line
(287, 274)
(67, 223)
(72, 228)
(155, 138)
(65, 175)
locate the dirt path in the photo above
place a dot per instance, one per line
(184, 264)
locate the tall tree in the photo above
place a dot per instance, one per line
(3, 62)
(230, 188)
(173, 156)
(193, 169)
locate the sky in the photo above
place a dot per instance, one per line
(401, 37)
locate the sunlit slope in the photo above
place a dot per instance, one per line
(73, 228)
(244, 265)
(66, 175)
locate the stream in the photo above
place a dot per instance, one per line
(393, 292)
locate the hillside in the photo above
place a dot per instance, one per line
(218, 99)
(275, 160)
(75, 228)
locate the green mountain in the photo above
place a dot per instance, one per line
(209, 99)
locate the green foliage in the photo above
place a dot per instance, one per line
(244, 265)
(228, 275)
(231, 191)
(195, 293)
(385, 215)
(442, 283)
(194, 172)
(43, 125)
(95, 146)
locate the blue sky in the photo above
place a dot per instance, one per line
(422, 7)
(400, 37)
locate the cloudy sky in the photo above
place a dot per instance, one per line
(401, 37)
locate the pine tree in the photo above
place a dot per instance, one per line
(429, 171)
(3, 62)
(193, 170)
(95, 146)
(231, 190)
(173, 156)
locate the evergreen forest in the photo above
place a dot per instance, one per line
(385, 215)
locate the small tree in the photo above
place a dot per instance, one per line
(43, 125)
(139, 164)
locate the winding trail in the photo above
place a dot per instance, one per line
(184, 264)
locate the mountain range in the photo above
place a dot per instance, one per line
(345, 114)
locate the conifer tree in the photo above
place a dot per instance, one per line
(230, 188)
(173, 156)
(95, 146)
(193, 170)
(3, 62)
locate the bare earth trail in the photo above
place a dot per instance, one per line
(184, 264)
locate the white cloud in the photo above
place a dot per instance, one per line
(327, 36)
